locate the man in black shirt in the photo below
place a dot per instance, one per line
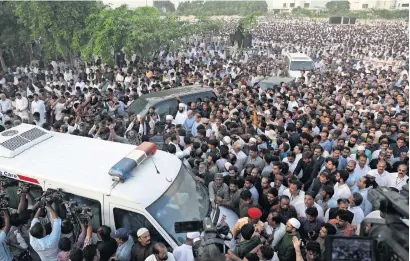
(144, 247)
(107, 246)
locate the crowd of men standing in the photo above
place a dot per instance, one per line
(294, 162)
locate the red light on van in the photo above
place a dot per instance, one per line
(148, 147)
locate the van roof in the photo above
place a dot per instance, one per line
(299, 57)
(171, 93)
(84, 163)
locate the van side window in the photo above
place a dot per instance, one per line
(91, 203)
(133, 221)
(165, 108)
(14, 198)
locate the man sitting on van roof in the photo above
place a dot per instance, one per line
(46, 246)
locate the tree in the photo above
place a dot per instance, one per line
(141, 31)
(56, 23)
(338, 7)
(14, 37)
(164, 6)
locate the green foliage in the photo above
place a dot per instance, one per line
(338, 7)
(141, 31)
(56, 22)
(14, 37)
(164, 6)
(214, 8)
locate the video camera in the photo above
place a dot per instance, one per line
(49, 196)
(381, 239)
(212, 237)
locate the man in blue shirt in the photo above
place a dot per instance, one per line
(4, 249)
(125, 243)
(46, 246)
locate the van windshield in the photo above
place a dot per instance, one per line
(139, 106)
(185, 200)
(301, 65)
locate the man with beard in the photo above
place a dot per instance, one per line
(267, 198)
(319, 182)
(234, 197)
(326, 229)
(160, 253)
(144, 247)
(246, 202)
(218, 191)
(284, 208)
(168, 123)
(353, 177)
(352, 142)
(274, 228)
(343, 226)
(341, 188)
(342, 203)
(285, 248)
(324, 198)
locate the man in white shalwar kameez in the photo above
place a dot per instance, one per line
(184, 252)
(181, 114)
(22, 106)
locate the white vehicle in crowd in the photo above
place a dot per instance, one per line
(295, 62)
(124, 185)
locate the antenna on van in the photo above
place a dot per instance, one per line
(155, 166)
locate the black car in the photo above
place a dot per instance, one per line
(165, 102)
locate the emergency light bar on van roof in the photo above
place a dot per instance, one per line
(121, 171)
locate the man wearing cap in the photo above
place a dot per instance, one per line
(254, 215)
(125, 243)
(181, 115)
(144, 247)
(184, 252)
(285, 248)
(168, 123)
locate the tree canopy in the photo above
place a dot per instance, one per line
(338, 7)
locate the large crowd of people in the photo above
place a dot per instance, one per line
(294, 162)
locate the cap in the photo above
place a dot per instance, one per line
(295, 223)
(254, 213)
(169, 118)
(361, 148)
(120, 233)
(193, 235)
(227, 165)
(141, 231)
(227, 140)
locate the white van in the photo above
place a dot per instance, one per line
(295, 62)
(159, 191)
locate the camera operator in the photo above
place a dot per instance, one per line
(18, 238)
(5, 254)
(312, 250)
(46, 246)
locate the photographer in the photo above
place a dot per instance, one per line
(18, 237)
(5, 254)
(46, 246)
(312, 250)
